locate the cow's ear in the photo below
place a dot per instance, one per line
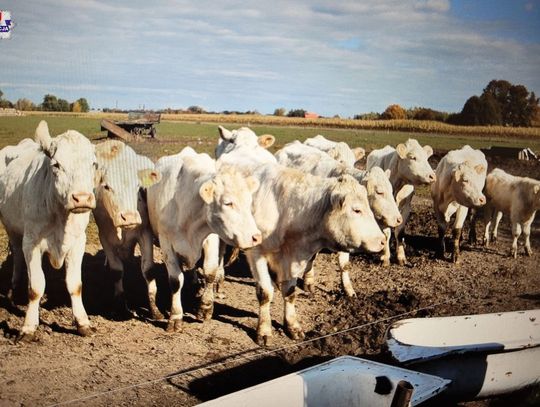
(266, 140)
(457, 174)
(253, 184)
(43, 138)
(388, 172)
(428, 150)
(109, 149)
(148, 177)
(536, 189)
(225, 134)
(401, 149)
(479, 168)
(206, 191)
(359, 153)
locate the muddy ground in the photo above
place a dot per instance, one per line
(136, 363)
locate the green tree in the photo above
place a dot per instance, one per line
(50, 103)
(195, 109)
(517, 111)
(63, 105)
(296, 113)
(83, 103)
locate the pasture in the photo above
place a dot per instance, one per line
(135, 362)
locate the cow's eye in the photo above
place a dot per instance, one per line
(413, 158)
(55, 164)
(380, 192)
(228, 203)
(107, 187)
(357, 210)
(95, 164)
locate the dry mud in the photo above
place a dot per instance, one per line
(136, 363)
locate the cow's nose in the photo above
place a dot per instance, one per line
(130, 218)
(482, 200)
(432, 178)
(83, 199)
(256, 239)
(399, 220)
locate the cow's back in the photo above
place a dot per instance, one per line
(380, 158)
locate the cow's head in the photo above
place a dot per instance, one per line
(241, 138)
(350, 221)
(345, 155)
(467, 184)
(229, 197)
(123, 173)
(413, 162)
(381, 198)
(72, 164)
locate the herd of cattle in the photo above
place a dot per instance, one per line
(281, 210)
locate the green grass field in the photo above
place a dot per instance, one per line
(174, 135)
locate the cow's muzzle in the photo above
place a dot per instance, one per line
(81, 202)
(128, 220)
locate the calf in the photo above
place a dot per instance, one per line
(340, 151)
(461, 175)
(46, 195)
(121, 215)
(409, 167)
(376, 182)
(517, 197)
(192, 201)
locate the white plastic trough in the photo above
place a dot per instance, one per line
(344, 381)
(484, 355)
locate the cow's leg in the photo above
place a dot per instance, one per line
(399, 233)
(489, 217)
(461, 215)
(385, 257)
(36, 289)
(344, 267)
(210, 271)
(472, 230)
(309, 276)
(516, 232)
(442, 225)
(176, 281)
(288, 291)
(527, 233)
(498, 218)
(116, 268)
(220, 278)
(73, 263)
(265, 293)
(18, 278)
(147, 266)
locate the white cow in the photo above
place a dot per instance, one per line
(379, 191)
(461, 175)
(409, 167)
(516, 197)
(121, 215)
(192, 201)
(340, 151)
(298, 214)
(46, 196)
(244, 138)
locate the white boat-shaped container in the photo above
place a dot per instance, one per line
(484, 355)
(344, 381)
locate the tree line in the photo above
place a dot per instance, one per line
(50, 103)
(500, 104)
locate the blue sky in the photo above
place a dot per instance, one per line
(343, 57)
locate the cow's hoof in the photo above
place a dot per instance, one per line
(309, 288)
(296, 333)
(528, 252)
(350, 293)
(156, 314)
(264, 340)
(86, 330)
(27, 337)
(385, 262)
(402, 262)
(174, 325)
(205, 312)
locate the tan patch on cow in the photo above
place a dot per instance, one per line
(78, 291)
(32, 295)
(148, 177)
(206, 191)
(479, 169)
(359, 153)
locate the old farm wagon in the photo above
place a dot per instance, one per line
(137, 125)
